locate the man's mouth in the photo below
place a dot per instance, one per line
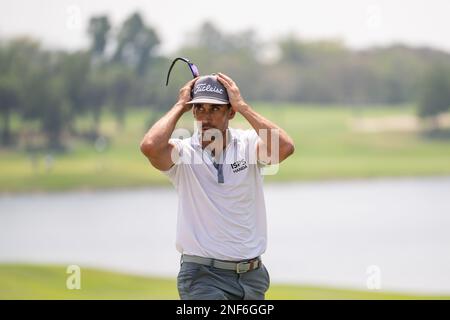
(207, 127)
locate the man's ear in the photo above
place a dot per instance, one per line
(231, 113)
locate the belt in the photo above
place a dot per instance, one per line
(238, 266)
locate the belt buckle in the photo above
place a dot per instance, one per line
(238, 270)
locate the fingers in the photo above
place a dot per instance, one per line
(224, 82)
(224, 76)
(227, 82)
(185, 91)
(191, 83)
(194, 80)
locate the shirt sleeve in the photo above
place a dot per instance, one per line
(174, 171)
(253, 140)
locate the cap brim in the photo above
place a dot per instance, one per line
(207, 100)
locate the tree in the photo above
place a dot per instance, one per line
(98, 30)
(136, 43)
(435, 98)
(95, 94)
(73, 70)
(9, 100)
(45, 96)
(120, 85)
(17, 57)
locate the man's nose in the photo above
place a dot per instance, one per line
(208, 115)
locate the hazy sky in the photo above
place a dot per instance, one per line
(359, 23)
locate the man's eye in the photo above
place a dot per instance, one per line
(215, 108)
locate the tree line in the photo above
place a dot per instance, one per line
(48, 90)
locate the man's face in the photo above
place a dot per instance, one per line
(213, 116)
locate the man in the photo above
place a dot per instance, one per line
(221, 228)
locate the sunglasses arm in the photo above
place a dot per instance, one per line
(171, 66)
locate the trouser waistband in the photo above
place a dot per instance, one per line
(237, 266)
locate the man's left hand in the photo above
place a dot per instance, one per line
(237, 102)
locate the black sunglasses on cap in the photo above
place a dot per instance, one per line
(192, 67)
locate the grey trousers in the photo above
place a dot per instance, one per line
(199, 282)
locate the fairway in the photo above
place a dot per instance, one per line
(327, 147)
(49, 282)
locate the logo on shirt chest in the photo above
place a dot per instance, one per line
(239, 165)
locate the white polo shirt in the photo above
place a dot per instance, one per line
(221, 213)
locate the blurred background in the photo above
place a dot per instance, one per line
(361, 210)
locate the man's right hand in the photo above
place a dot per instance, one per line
(185, 95)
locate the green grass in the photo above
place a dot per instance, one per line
(49, 282)
(326, 148)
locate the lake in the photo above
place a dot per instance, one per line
(320, 233)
